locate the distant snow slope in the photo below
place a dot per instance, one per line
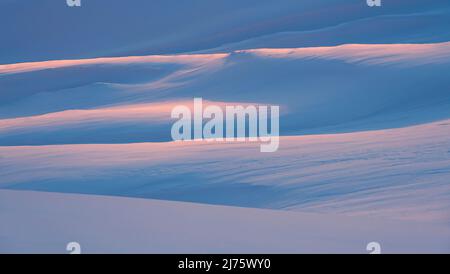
(45, 223)
(320, 90)
(396, 174)
(49, 29)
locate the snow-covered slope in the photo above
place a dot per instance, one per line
(320, 90)
(124, 225)
(48, 29)
(396, 174)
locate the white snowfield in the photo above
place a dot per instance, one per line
(45, 223)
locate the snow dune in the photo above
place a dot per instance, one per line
(115, 124)
(350, 52)
(395, 174)
(362, 87)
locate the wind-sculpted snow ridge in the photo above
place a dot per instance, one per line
(394, 174)
(349, 52)
(152, 59)
(151, 226)
(394, 54)
(344, 88)
(115, 124)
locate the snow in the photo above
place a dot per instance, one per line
(85, 148)
(124, 225)
(396, 173)
(168, 26)
(349, 88)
